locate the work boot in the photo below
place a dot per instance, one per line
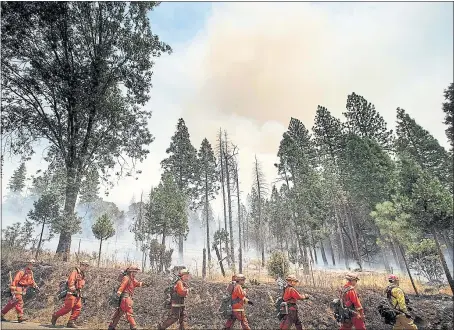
(110, 328)
(54, 320)
(3, 318)
(21, 319)
(71, 324)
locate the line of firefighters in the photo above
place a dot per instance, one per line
(76, 281)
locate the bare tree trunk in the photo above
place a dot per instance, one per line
(204, 264)
(385, 260)
(240, 250)
(219, 260)
(314, 247)
(398, 257)
(207, 211)
(401, 249)
(322, 248)
(330, 243)
(221, 157)
(443, 260)
(341, 237)
(72, 190)
(99, 254)
(353, 236)
(449, 246)
(259, 195)
(229, 204)
(40, 240)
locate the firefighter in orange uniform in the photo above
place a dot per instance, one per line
(73, 300)
(238, 300)
(291, 296)
(125, 293)
(177, 311)
(351, 301)
(22, 280)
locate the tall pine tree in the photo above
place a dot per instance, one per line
(207, 183)
(414, 140)
(364, 121)
(182, 165)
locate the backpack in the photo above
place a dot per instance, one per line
(341, 313)
(169, 294)
(63, 287)
(114, 300)
(387, 312)
(225, 309)
(281, 306)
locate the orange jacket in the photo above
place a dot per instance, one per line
(23, 279)
(238, 297)
(127, 286)
(291, 295)
(76, 280)
(351, 297)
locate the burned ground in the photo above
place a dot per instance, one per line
(203, 302)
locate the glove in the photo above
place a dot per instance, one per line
(306, 297)
(250, 303)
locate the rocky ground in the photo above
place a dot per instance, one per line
(435, 312)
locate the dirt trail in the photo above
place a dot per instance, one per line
(29, 325)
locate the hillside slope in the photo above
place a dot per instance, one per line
(436, 311)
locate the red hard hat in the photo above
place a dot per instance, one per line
(393, 278)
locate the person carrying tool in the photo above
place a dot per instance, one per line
(73, 299)
(177, 310)
(22, 280)
(125, 293)
(290, 297)
(238, 300)
(396, 298)
(351, 301)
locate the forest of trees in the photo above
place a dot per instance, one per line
(348, 187)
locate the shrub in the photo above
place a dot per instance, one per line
(278, 265)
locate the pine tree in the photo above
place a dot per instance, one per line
(208, 182)
(46, 211)
(17, 181)
(260, 189)
(414, 140)
(166, 212)
(448, 109)
(363, 120)
(103, 229)
(182, 165)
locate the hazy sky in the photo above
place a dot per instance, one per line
(249, 67)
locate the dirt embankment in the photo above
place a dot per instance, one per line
(203, 302)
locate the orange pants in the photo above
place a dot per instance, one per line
(17, 303)
(72, 304)
(125, 308)
(240, 316)
(290, 319)
(354, 322)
